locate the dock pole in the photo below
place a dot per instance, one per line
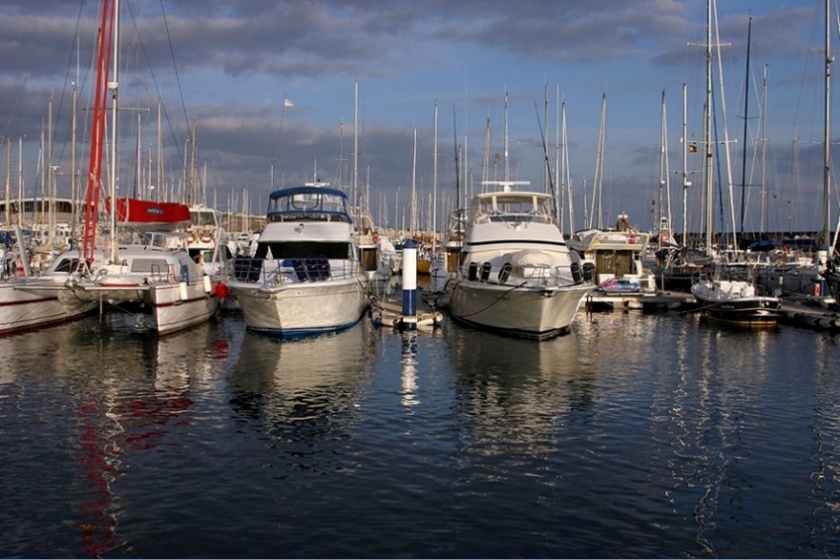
(409, 286)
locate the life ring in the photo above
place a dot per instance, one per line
(376, 236)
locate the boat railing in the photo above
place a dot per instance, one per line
(571, 274)
(309, 216)
(293, 270)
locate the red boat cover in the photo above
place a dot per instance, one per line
(137, 211)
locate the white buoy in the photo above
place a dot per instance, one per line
(208, 287)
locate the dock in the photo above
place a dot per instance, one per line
(645, 301)
(814, 316)
(390, 313)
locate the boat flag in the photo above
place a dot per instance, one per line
(288, 102)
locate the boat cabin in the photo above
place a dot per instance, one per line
(310, 203)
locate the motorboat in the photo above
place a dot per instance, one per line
(736, 303)
(305, 276)
(616, 254)
(516, 274)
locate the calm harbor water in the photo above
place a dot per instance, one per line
(635, 435)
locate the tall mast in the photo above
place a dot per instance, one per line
(434, 182)
(161, 187)
(763, 137)
(94, 179)
(595, 218)
(707, 133)
(8, 183)
(412, 217)
(746, 117)
(663, 166)
(51, 187)
(458, 216)
(355, 181)
(547, 183)
(113, 86)
(566, 172)
(507, 166)
(827, 130)
(191, 187)
(685, 182)
(73, 184)
(561, 192)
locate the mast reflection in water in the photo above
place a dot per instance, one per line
(635, 435)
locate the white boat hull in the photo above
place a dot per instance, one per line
(302, 308)
(26, 304)
(529, 311)
(174, 312)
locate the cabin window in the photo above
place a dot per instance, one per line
(67, 265)
(149, 265)
(303, 249)
(314, 206)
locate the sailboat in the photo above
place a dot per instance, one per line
(734, 302)
(142, 261)
(445, 265)
(30, 302)
(828, 259)
(615, 253)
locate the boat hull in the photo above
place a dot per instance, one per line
(735, 303)
(301, 309)
(28, 305)
(530, 312)
(748, 314)
(176, 307)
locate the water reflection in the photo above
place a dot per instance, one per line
(300, 390)
(408, 370)
(517, 391)
(824, 493)
(189, 359)
(121, 395)
(144, 406)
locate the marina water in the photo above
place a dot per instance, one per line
(635, 435)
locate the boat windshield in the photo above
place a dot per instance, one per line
(312, 205)
(512, 207)
(202, 218)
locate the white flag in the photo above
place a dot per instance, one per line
(288, 103)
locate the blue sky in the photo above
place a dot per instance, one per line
(228, 66)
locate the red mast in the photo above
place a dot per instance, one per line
(100, 102)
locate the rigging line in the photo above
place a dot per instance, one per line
(547, 161)
(175, 65)
(14, 108)
(71, 54)
(157, 88)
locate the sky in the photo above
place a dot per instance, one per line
(274, 90)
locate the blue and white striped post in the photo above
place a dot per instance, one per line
(409, 286)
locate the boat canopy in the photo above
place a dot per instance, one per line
(310, 203)
(139, 212)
